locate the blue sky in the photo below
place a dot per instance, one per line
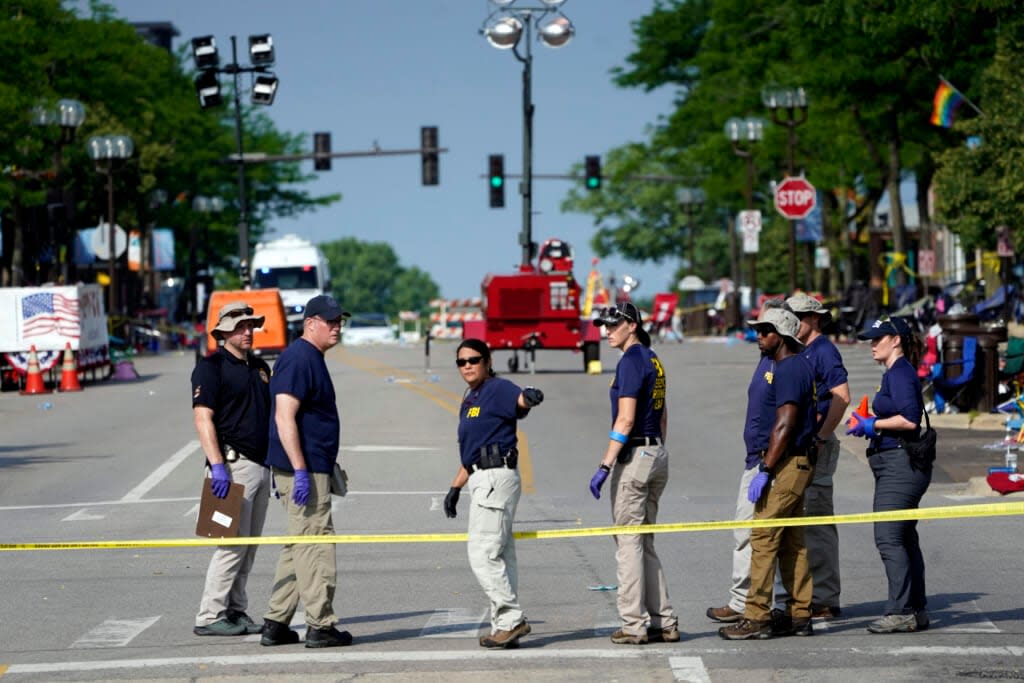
(377, 70)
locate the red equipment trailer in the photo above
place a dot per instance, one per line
(536, 308)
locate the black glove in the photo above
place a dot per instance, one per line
(532, 396)
(450, 501)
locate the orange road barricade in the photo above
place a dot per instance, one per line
(69, 372)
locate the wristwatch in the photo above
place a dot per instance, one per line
(762, 468)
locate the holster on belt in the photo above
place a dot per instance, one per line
(230, 453)
(492, 456)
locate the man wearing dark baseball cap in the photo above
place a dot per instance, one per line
(305, 434)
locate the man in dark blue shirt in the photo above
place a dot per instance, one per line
(786, 424)
(305, 432)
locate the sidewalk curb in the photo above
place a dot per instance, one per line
(981, 421)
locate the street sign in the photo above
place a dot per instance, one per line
(794, 198)
(750, 226)
(101, 241)
(925, 262)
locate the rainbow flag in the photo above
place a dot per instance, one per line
(947, 100)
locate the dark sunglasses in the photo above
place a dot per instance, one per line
(472, 360)
(239, 313)
(615, 315)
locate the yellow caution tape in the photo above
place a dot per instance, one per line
(949, 512)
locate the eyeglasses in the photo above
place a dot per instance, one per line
(238, 313)
(472, 360)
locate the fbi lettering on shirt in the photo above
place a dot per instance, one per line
(473, 412)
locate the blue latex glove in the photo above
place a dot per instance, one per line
(300, 493)
(221, 481)
(757, 486)
(862, 426)
(597, 481)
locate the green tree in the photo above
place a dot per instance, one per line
(367, 277)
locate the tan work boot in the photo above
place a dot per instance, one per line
(506, 639)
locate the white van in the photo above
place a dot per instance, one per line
(297, 268)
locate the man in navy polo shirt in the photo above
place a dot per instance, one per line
(786, 424)
(231, 411)
(305, 433)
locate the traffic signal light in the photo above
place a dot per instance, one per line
(428, 140)
(322, 146)
(593, 164)
(496, 168)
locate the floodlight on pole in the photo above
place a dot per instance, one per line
(208, 89)
(204, 52)
(264, 88)
(504, 29)
(261, 50)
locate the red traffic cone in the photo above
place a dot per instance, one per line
(34, 382)
(69, 373)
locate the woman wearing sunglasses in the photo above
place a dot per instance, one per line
(899, 482)
(487, 446)
(637, 462)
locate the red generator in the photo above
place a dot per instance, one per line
(536, 308)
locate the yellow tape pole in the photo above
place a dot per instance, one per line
(949, 512)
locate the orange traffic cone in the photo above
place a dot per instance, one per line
(863, 409)
(69, 373)
(34, 382)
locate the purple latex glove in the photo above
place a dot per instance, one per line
(220, 482)
(757, 486)
(597, 481)
(300, 492)
(862, 426)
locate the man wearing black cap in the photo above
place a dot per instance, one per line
(231, 411)
(786, 423)
(305, 432)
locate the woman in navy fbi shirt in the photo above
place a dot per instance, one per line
(637, 462)
(899, 483)
(487, 445)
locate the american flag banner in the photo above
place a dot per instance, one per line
(46, 313)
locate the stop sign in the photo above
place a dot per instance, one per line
(795, 198)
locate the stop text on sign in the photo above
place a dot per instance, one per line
(795, 197)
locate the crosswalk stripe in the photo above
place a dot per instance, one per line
(454, 622)
(114, 633)
(689, 669)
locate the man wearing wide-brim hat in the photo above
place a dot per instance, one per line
(833, 389)
(231, 408)
(785, 431)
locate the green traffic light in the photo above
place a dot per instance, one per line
(593, 183)
(497, 181)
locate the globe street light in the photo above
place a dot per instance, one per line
(794, 102)
(105, 150)
(744, 134)
(504, 29)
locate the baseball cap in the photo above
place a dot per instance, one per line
(613, 315)
(785, 323)
(233, 313)
(884, 327)
(324, 306)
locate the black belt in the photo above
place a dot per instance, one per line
(232, 454)
(492, 457)
(639, 441)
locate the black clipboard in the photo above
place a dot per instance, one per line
(219, 517)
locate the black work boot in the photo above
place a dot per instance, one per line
(276, 633)
(327, 637)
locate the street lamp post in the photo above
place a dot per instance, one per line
(264, 89)
(794, 102)
(503, 30)
(105, 150)
(69, 116)
(206, 206)
(749, 131)
(691, 200)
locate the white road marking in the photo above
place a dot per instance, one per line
(689, 669)
(193, 512)
(435, 503)
(479, 655)
(114, 633)
(161, 472)
(369, 448)
(82, 515)
(453, 622)
(979, 625)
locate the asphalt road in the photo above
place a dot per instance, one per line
(120, 461)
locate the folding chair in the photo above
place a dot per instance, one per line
(948, 391)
